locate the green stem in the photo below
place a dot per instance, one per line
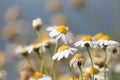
(81, 77)
(91, 62)
(105, 55)
(49, 51)
(71, 72)
(28, 61)
(38, 54)
(53, 61)
(39, 35)
(42, 61)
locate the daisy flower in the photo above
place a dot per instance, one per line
(98, 36)
(78, 58)
(37, 24)
(23, 50)
(61, 32)
(40, 76)
(106, 41)
(73, 79)
(64, 51)
(98, 72)
(34, 47)
(113, 49)
(86, 41)
(41, 46)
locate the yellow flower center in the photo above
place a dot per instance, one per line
(105, 37)
(35, 44)
(46, 39)
(78, 55)
(62, 29)
(86, 38)
(96, 71)
(86, 74)
(72, 78)
(62, 48)
(38, 75)
(99, 35)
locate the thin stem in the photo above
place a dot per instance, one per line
(27, 59)
(53, 61)
(49, 51)
(38, 54)
(39, 35)
(42, 60)
(105, 55)
(81, 77)
(71, 72)
(87, 48)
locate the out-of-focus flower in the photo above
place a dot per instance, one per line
(61, 32)
(73, 79)
(98, 36)
(86, 41)
(98, 72)
(10, 32)
(116, 68)
(22, 50)
(26, 73)
(59, 19)
(3, 75)
(78, 58)
(2, 58)
(113, 49)
(53, 6)
(87, 76)
(40, 76)
(37, 23)
(12, 14)
(77, 3)
(41, 46)
(64, 51)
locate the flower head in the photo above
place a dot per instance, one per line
(98, 36)
(96, 70)
(61, 32)
(26, 72)
(86, 41)
(113, 49)
(34, 47)
(38, 75)
(106, 41)
(64, 51)
(74, 78)
(37, 24)
(78, 59)
(23, 50)
(87, 76)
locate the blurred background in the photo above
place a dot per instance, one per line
(81, 16)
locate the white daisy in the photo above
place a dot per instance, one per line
(64, 51)
(40, 76)
(23, 50)
(98, 36)
(86, 41)
(41, 46)
(37, 23)
(106, 41)
(61, 32)
(34, 47)
(98, 72)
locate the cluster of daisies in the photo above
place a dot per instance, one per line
(92, 65)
